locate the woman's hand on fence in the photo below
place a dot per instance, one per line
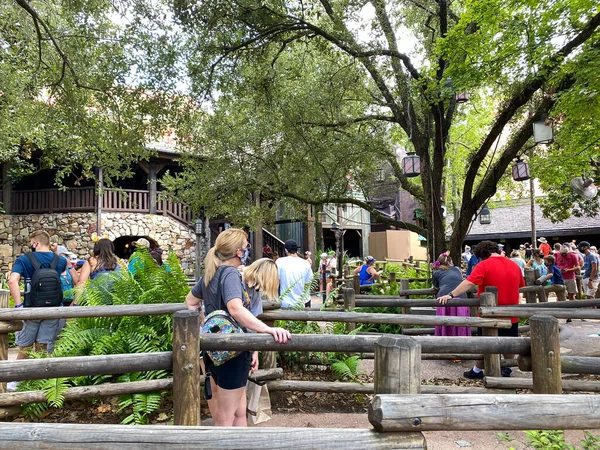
(444, 299)
(254, 362)
(280, 335)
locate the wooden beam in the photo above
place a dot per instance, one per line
(398, 319)
(89, 311)
(545, 355)
(567, 304)
(527, 383)
(448, 412)
(156, 437)
(523, 312)
(369, 388)
(401, 302)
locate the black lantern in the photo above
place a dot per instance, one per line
(542, 132)
(520, 171)
(485, 216)
(199, 226)
(411, 165)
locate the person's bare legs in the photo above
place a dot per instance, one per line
(228, 405)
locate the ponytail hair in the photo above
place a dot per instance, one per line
(227, 244)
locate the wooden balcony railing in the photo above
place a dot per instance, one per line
(53, 200)
(84, 200)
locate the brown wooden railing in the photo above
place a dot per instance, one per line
(129, 200)
(177, 211)
(84, 199)
(53, 200)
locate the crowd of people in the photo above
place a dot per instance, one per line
(487, 265)
(48, 276)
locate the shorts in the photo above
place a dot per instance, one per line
(590, 292)
(571, 286)
(232, 374)
(509, 332)
(42, 331)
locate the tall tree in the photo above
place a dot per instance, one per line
(516, 53)
(80, 85)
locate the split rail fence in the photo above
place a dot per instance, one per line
(399, 413)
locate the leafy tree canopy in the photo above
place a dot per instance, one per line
(315, 73)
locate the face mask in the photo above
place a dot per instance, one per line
(33, 248)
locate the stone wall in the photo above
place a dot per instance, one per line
(75, 230)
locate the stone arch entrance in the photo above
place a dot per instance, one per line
(124, 245)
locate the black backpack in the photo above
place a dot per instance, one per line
(45, 287)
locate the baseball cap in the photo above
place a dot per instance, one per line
(501, 245)
(62, 250)
(291, 245)
(323, 255)
(142, 242)
(583, 244)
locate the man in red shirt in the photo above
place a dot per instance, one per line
(493, 270)
(544, 246)
(568, 263)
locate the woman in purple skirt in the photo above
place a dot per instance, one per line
(446, 277)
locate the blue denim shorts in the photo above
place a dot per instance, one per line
(42, 331)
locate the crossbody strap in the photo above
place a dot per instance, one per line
(224, 306)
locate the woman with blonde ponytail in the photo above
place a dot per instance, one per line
(228, 381)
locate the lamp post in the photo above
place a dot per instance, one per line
(338, 231)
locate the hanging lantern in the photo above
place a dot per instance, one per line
(520, 171)
(411, 165)
(462, 97)
(542, 132)
(485, 216)
(321, 217)
(380, 175)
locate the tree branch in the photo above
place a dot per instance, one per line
(520, 98)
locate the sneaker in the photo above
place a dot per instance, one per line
(12, 386)
(472, 375)
(506, 371)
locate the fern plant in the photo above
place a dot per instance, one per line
(114, 335)
(346, 368)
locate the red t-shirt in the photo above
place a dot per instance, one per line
(567, 262)
(545, 249)
(502, 273)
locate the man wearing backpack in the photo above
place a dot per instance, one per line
(41, 271)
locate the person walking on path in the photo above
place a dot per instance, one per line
(544, 246)
(294, 274)
(446, 277)
(591, 277)
(568, 263)
(221, 288)
(493, 270)
(35, 333)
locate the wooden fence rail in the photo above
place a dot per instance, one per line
(525, 312)
(484, 412)
(61, 436)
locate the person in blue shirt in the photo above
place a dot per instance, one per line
(473, 261)
(35, 333)
(557, 284)
(367, 273)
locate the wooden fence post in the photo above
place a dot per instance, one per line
(4, 303)
(405, 286)
(491, 361)
(186, 368)
(392, 278)
(356, 283)
(397, 365)
(545, 355)
(530, 281)
(349, 304)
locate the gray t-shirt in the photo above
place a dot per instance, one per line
(231, 287)
(255, 301)
(446, 280)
